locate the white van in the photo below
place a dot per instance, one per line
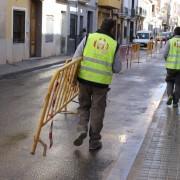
(143, 37)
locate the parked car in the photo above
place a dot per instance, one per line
(143, 37)
(164, 36)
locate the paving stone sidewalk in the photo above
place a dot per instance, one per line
(159, 156)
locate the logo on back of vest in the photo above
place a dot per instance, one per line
(101, 45)
(177, 44)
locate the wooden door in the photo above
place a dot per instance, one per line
(33, 29)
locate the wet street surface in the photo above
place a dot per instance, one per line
(134, 96)
(159, 156)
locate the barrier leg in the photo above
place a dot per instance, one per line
(127, 63)
(138, 58)
(36, 140)
(131, 59)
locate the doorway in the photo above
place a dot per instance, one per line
(131, 31)
(35, 28)
(89, 21)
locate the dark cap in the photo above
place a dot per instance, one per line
(177, 31)
(108, 24)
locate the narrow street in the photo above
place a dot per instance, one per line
(133, 98)
(139, 135)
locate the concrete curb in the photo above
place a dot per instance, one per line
(22, 71)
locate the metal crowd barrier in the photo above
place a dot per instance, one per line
(150, 47)
(130, 53)
(124, 54)
(135, 53)
(62, 90)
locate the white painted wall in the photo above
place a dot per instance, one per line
(12, 52)
(18, 51)
(50, 7)
(147, 5)
(82, 10)
(2, 31)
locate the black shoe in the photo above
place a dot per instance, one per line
(95, 145)
(169, 101)
(175, 102)
(175, 105)
(79, 140)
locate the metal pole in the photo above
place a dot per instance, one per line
(76, 24)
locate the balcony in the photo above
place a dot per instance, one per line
(125, 12)
(74, 1)
(112, 4)
(133, 12)
(141, 12)
(83, 1)
(62, 1)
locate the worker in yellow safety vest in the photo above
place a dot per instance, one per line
(100, 60)
(172, 58)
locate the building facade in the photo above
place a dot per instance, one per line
(81, 14)
(42, 28)
(106, 9)
(3, 34)
(14, 30)
(128, 18)
(174, 19)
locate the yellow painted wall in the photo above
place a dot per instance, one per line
(102, 14)
(14, 3)
(110, 3)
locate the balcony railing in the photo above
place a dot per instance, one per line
(133, 12)
(124, 11)
(61, 1)
(83, 1)
(141, 12)
(76, 1)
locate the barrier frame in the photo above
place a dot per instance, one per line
(57, 99)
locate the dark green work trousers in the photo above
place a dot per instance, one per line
(173, 83)
(92, 101)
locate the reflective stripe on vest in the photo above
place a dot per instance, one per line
(98, 57)
(173, 59)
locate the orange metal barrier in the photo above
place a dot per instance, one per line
(124, 52)
(129, 53)
(62, 90)
(150, 47)
(134, 51)
(156, 46)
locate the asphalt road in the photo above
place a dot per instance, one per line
(134, 96)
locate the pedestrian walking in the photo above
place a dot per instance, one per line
(172, 58)
(100, 60)
(83, 33)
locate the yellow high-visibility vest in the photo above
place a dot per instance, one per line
(173, 59)
(98, 57)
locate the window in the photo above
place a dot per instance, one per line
(73, 25)
(18, 26)
(153, 8)
(81, 24)
(143, 35)
(49, 28)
